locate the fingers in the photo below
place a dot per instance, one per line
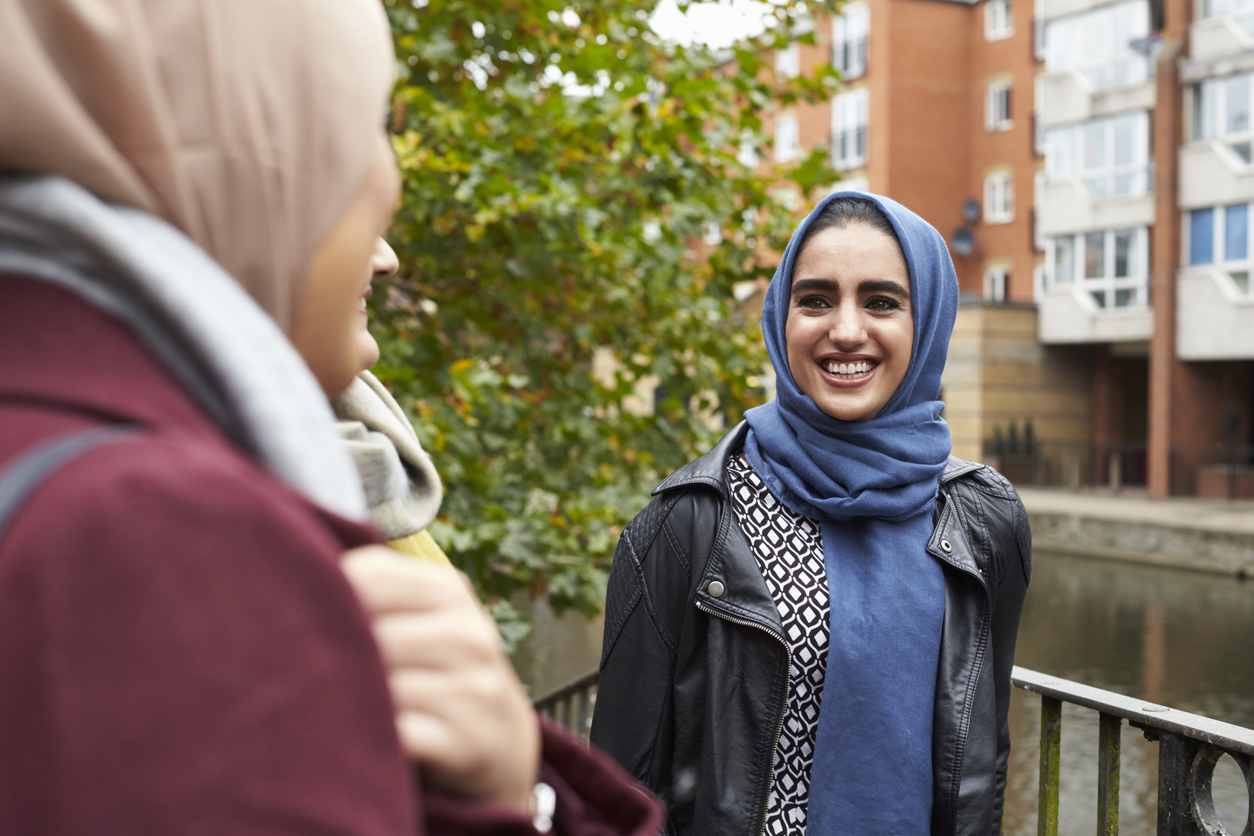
(389, 582)
(454, 638)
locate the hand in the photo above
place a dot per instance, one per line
(462, 714)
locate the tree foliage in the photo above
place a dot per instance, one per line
(565, 172)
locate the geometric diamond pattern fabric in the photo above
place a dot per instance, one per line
(789, 550)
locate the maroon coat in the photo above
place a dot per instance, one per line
(179, 651)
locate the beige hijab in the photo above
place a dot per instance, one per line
(247, 124)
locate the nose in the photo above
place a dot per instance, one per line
(847, 327)
(383, 260)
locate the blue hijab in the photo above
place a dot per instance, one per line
(872, 486)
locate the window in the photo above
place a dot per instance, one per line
(1110, 154)
(849, 40)
(849, 117)
(998, 24)
(787, 138)
(1038, 127)
(999, 198)
(1100, 44)
(1038, 197)
(1214, 8)
(997, 107)
(1220, 236)
(1111, 265)
(995, 279)
(788, 61)
(747, 153)
(1223, 112)
(1202, 236)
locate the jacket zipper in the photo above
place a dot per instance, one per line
(779, 729)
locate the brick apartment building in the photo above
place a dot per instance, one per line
(1089, 162)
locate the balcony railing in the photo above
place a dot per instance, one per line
(850, 57)
(849, 148)
(1189, 746)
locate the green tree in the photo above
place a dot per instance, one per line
(565, 171)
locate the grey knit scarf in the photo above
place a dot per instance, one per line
(402, 487)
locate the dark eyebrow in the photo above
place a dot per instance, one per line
(814, 284)
(884, 286)
(869, 286)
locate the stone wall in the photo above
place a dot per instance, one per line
(998, 373)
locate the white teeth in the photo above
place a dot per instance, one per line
(848, 369)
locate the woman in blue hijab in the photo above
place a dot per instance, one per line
(811, 627)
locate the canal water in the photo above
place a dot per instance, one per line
(1181, 639)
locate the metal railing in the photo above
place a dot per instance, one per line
(1213, 471)
(571, 705)
(1071, 464)
(1189, 746)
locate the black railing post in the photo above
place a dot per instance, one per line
(1175, 790)
(1051, 750)
(1109, 748)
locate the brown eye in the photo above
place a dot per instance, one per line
(816, 302)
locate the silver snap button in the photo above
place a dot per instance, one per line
(715, 589)
(946, 546)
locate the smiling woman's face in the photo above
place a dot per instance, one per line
(327, 329)
(850, 329)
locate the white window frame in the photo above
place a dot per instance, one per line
(1068, 148)
(849, 130)
(1098, 43)
(851, 40)
(1105, 289)
(1038, 126)
(1038, 200)
(787, 137)
(747, 153)
(788, 61)
(999, 198)
(996, 280)
(1239, 270)
(1215, 8)
(998, 20)
(997, 106)
(1211, 114)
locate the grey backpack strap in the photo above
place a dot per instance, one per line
(29, 469)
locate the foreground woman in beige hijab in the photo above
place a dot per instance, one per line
(187, 190)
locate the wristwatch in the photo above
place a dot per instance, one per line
(542, 806)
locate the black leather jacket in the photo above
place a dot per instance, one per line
(694, 685)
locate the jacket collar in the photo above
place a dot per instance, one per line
(711, 469)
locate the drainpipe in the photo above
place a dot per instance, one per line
(1168, 128)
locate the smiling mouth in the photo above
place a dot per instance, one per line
(849, 371)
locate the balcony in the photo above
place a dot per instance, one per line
(1080, 95)
(849, 148)
(1051, 9)
(1075, 204)
(1212, 173)
(850, 57)
(1214, 315)
(1217, 37)
(1069, 314)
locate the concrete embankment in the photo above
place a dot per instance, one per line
(1196, 534)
